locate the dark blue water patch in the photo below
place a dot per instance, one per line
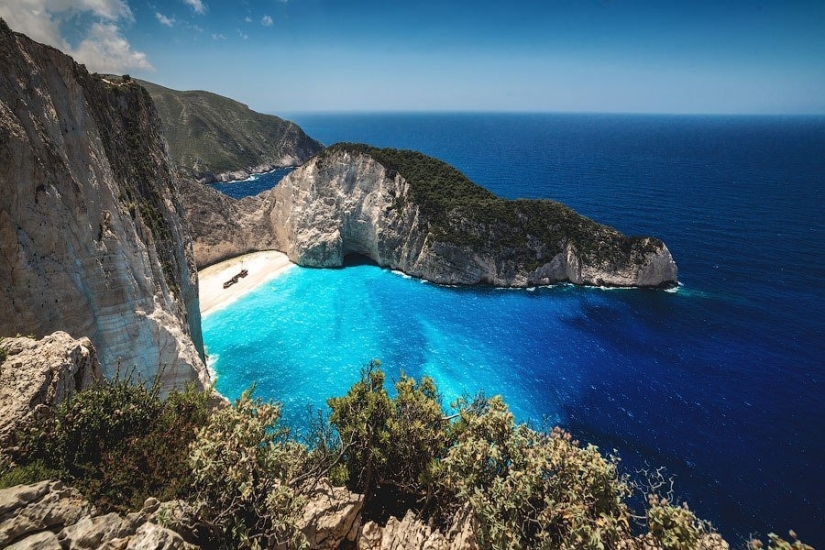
(719, 382)
(255, 184)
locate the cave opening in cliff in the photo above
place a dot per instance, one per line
(353, 259)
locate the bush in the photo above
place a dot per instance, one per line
(390, 446)
(32, 472)
(119, 442)
(531, 489)
(242, 464)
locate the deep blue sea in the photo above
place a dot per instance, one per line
(720, 382)
(253, 185)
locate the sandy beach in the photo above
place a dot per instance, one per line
(262, 267)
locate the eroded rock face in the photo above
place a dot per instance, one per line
(41, 373)
(411, 533)
(91, 233)
(345, 202)
(49, 515)
(332, 516)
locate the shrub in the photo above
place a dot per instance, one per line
(242, 464)
(32, 472)
(391, 445)
(119, 442)
(532, 489)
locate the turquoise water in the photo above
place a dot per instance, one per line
(305, 336)
(720, 382)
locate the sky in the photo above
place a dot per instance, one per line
(281, 56)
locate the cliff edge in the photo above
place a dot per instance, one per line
(92, 237)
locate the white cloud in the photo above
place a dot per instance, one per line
(102, 46)
(105, 50)
(243, 34)
(196, 5)
(163, 20)
(218, 37)
(248, 19)
(266, 21)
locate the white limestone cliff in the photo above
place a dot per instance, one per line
(92, 240)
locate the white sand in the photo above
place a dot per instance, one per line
(262, 267)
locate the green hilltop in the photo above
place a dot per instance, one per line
(211, 134)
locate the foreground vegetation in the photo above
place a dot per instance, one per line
(242, 473)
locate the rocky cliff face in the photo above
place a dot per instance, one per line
(41, 373)
(223, 227)
(91, 234)
(355, 199)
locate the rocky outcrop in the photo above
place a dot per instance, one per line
(41, 373)
(214, 138)
(48, 515)
(91, 233)
(331, 516)
(418, 215)
(223, 227)
(410, 533)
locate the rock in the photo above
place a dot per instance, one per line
(29, 509)
(150, 536)
(45, 540)
(331, 516)
(93, 532)
(48, 515)
(413, 534)
(91, 230)
(42, 372)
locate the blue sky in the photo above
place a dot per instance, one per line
(651, 56)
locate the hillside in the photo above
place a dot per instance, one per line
(210, 135)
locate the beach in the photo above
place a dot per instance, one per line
(262, 267)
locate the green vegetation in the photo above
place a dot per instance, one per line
(120, 441)
(243, 475)
(223, 135)
(524, 231)
(242, 462)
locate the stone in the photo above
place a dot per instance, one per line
(45, 540)
(28, 509)
(93, 532)
(42, 373)
(331, 515)
(150, 536)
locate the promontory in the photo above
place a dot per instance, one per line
(413, 213)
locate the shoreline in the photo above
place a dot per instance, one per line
(262, 266)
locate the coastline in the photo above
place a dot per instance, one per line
(262, 267)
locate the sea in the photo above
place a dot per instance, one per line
(720, 382)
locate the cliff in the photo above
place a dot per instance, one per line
(416, 214)
(91, 234)
(212, 137)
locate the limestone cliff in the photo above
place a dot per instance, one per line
(419, 215)
(92, 240)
